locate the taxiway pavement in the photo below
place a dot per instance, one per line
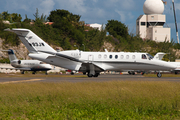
(79, 78)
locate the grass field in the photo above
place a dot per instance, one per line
(91, 100)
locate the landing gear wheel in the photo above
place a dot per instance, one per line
(96, 75)
(133, 73)
(159, 74)
(22, 72)
(84, 73)
(34, 72)
(72, 73)
(89, 75)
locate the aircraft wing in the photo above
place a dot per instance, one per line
(26, 69)
(63, 56)
(96, 66)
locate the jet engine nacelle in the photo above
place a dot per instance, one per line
(71, 53)
(19, 62)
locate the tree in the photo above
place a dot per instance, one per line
(5, 16)
(27, 20)
(58, 15)
(116, 28)
(16, 17)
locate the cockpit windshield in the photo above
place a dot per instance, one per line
(149, 56)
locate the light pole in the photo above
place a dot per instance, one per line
(84, 46)
(77, 46)
(175, 21)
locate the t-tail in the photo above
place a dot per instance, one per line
(11, 55)
(32, 42)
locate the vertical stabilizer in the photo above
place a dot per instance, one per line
(32, 42)
(12, 56)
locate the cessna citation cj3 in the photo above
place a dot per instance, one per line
(90, 63)
(26, 65)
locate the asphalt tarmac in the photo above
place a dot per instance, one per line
(80, 78)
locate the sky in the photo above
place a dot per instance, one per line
(93, 11)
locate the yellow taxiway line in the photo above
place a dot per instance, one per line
(31, 80)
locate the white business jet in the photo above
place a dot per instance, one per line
(26, 65)
(91, 63)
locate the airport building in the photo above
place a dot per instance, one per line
(151, 24)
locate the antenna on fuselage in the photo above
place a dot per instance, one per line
(106, 50)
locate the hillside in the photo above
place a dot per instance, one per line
(68, 33)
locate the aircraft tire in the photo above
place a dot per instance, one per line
(46, 73)
(22, 72)
(159, 75)
(89, 75)
(96, 75)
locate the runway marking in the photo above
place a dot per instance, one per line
(31, 80)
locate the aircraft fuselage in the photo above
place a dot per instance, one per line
(115, 61)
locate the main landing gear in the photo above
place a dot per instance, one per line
(91, 75)
(131, 72)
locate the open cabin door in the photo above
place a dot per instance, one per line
(90, 58)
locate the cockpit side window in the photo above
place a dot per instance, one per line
(144, 56)
(149, 56)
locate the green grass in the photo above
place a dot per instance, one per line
(91, 100)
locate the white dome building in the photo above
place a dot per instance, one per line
(151, 25)
(153, 7)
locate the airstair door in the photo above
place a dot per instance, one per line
(90, 58)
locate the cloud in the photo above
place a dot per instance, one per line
(122, 15)
(46, 6)
(127, 4)
(74, 6)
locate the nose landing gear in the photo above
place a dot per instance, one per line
(159, 75)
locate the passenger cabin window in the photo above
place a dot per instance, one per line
(144, 56)
(116, 56)
(133, 57)
(127, 56)
(99, 56)
(122, 56)
(105, 56)
(110, 56)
